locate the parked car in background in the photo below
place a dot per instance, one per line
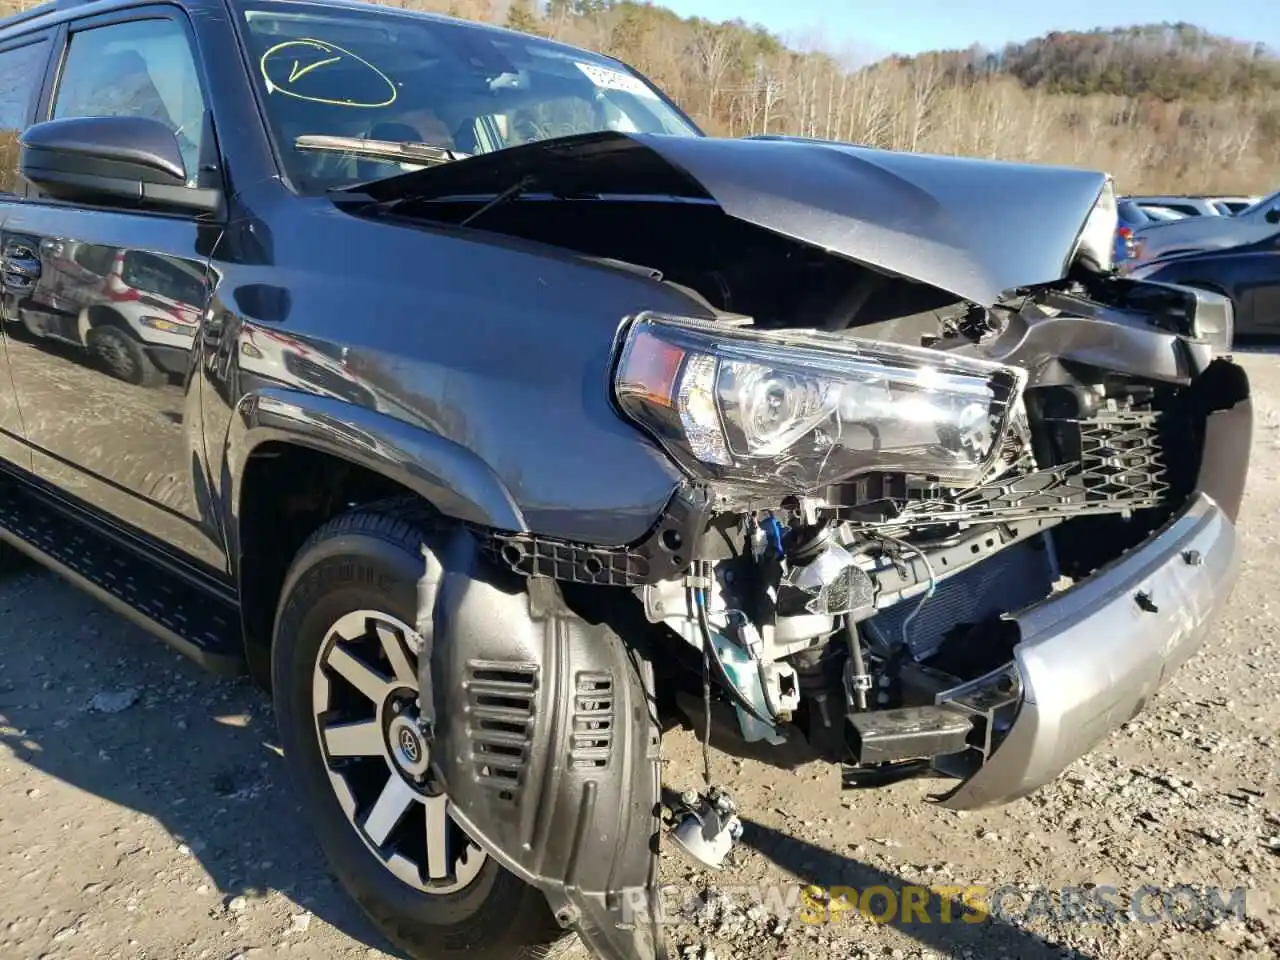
(1162, 214)
(1230, 206)
(1158, 241)
(1135, 215)
(1131, 216)
(1249, 275)
(1188, 206)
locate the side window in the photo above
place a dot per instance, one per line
(21, 72)
(141, 68)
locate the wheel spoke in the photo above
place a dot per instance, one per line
(437, 837)
(359, 674)
(375, 653)
(394, 648)
(390, 808)
(363, 739)
(468, 867)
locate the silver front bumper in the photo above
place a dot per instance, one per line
(1091, 657)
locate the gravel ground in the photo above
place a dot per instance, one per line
(146, 812)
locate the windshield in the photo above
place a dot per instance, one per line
(369, 72)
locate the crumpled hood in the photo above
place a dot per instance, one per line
(975, 228)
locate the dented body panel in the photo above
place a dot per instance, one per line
(821, 442)
(927, 218)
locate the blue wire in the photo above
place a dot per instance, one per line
(773, 528)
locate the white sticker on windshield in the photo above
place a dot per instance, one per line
(606, 78)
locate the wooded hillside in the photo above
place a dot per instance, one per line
(1164, 107)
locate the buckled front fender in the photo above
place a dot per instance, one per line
(546, 737)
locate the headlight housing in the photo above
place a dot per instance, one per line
(1096, 247)
(790, 412)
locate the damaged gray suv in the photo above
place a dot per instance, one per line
(452, 384)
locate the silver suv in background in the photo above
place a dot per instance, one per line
(1155, 240)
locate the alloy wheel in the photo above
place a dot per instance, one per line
(377, 753)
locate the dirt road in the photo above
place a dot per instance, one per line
(144, 811)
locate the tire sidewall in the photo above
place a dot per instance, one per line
(336, 577)
(136, 359)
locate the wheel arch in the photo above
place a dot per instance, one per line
(100, 315)
(292, 461)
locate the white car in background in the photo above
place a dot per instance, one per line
(1230, 206)
(1162, 214)
(1187, 206)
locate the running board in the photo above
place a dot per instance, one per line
(194, 621)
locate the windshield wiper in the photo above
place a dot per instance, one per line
(396, 152)
(518, 188)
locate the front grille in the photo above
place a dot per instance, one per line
(1113, 463)
(1121, 457)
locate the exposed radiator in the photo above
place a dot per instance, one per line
(1009, 580)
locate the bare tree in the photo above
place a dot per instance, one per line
(924, 87)
(714, 46)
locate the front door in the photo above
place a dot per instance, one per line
(107, 319)
(1258, 288)
(22, 67)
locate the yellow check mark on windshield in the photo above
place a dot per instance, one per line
(298, 71)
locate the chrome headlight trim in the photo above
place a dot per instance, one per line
(792, 411)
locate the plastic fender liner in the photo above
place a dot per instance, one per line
(547, 740)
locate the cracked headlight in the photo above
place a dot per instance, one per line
(792, 411)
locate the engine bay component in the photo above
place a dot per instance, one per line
(770, 411)
(907, 733)
(1012, 578)
(831, 582)
(769, 688)
(708, 827)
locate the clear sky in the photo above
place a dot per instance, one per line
(910, 26)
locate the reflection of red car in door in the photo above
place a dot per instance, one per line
(136, 312)
(143, 323)
(277, 357)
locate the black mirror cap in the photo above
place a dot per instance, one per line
(1273, 215)
(111, 160)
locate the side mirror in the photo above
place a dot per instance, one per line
(1272, 215)
(111, 160)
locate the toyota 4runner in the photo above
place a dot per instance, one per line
(453, 384)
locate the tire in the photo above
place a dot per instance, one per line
(367, 563)
(122, 356)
